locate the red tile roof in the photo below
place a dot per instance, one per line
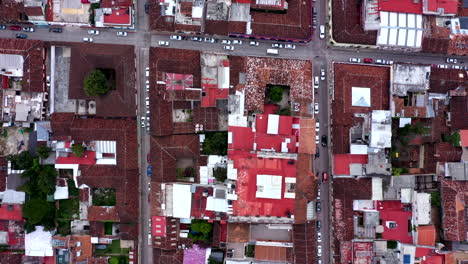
(11, 11)
(103, 213)
(120, 16)
(401, 6)
(306, 135)
(305, 246)
(362, 252)
(34, 55)
(464, 137)
(459, 109)
(392, 211)
(426, 235)
(454, 199)
(449, 6)
(342, 162)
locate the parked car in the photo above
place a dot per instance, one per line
(317, 127)
(122, 33)
(16, 28)
(88, 39)
(277, 45)
(316, 108)
(231, 48)
(93, 32)
(175, 37)
(324, 177)
(442, 66)
(390, 62)
(322, 74)
(2, 27)
(21, 36)
(147, 102)
(319, 237)
(319, 225)
(147, 88)
(324, 140)
(210, 40)
(143, 122)
(147, 72)
(451, 60)
(318, 207)
(355, 60)
(148, 170)
(316, 82)
(368, 60)
(319, 250)
(237, 42)
(319, 260)
(147, 7)
(290, 46)
(317, 139)
(199, 39)
(322, 31)
(163, 43)
(148, 158)
(254, 43)
(226, 41)
(456, 67)
(56, 30)
(28, 29)
(380, 61)
(318, 192)
(317, 154)
(149, 189)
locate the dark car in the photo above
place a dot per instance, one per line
(318, 207)
(56, 30)
(317, 153)
(148, 171)
(16, 28)
(2, 27)
(21, 36)
(324, 140)
(148, 158)
(319, 225)
(324, 177)
(147, 8)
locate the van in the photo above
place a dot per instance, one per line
(272, 51)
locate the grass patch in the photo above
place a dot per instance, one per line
(68, 209)
(108, 228)
(104, 197)
(113, 248)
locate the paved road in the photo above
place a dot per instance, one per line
(317, 51)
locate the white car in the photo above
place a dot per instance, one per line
(451, 60)
(228, 48)
(322, 74)
(147, 88)
(316, 108)
(456, 67)
(93, 32)
(226, 41)
(28, 29)
(147, 82)
(88, 39)
(147, 71)
(147, 102)
(290, 46)
(380, 61)
(318, 194)
(122, 33)
(277, 45)
(442, 66)
(163, 43)
(254, 43)
(317, 139)
(175, 37)
(319, 250)
(389, 62)
(143, 122)
(209, 40)
(319, 237)
(322, 31)
(355, 60)
(237, 42)
(316, 82)
(317, 127)
(199, 39)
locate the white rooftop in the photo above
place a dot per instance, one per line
(216, 204)
(273, 124)
(381, 129)
(269, 186)
(422, 208)
(400, 30)
(106, 152)
(11, 65)
(38, 243)
(377, 191)
(13, 197)
(360, 96)
(181, 200)
(60, 193)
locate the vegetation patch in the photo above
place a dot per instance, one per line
(216, 143)
(78, 150)
(68, 209)
(104, 197)
(201, 231)
(108, 228)
(99, 82)
(43, 151)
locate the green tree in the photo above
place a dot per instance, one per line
(78, 150)
(95, 83)
(275, 93)
(43, 151)
(220, 174)
(201, 231)
(435, 199)
(215, 143)
(36, 210)
(392, 244)
(114, 260)
(453, 138)
(21, 161)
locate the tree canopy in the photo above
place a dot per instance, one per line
(21, 161)
(41, 180)
(95, 83)
(43, 151)
(78, 150)
(200, 230)
(275, 93)
(37, 210)
(215, 144)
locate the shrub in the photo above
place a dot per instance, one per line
(43, 151)
(78, 150)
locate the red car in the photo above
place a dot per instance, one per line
(368, 60)
(324, 177)
(17, 28)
